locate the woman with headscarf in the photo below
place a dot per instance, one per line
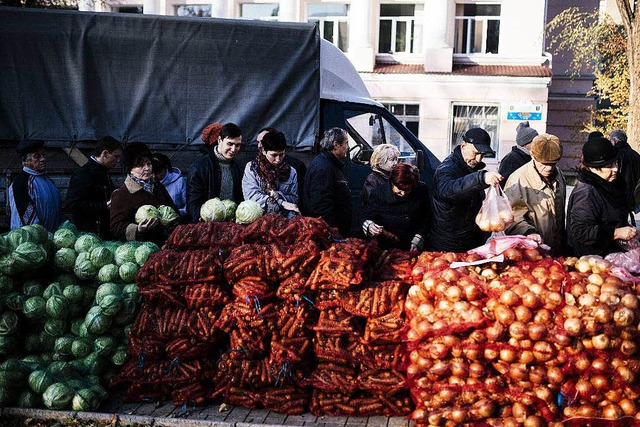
(384, 157)
(397, 213)
(269, 179)
(597, 214)
(140, 188)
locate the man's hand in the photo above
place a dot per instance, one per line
(536, 237)
(625, 233)
(492, 178)
(291, 207)
(371, 228)
(148, 224)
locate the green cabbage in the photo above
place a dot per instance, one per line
(146, 212)
(34, 307)
(66, 279)
(8, 323)
(58, 307)
(143, 251)
(128, 271)
(230, 209)
(119, 356)
(57, 396)
(104, 346)
(17, 237)
(31, 255)
(64, 238)
(54, 288)
(87, 242)
(32, 288)
(248, 211)
(111, 304)
(74, 293)
(84, 268)
(101, 256)
(108, 273)
(85, 400)
(168, 215)
(107, 289)
(14, 300)
(63, 345)
(65, 259)
(212, 210)
(81, 347)
(28, 399)
(96, 321)
(125, 253)
(54, 327)
(40, 380)
(38, 233)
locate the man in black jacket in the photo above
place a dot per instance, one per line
(458, 191)
(520, 153)
(217, 173)
(326, 191)
(90, 188)
(628, 165)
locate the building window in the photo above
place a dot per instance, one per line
(201, 10)
(407, 114)
(332, 22)
(263, 11)
(400, 28)
(477, 28)
(128, 9)
(466, 117)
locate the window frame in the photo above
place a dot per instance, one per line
(335, 19)
(493, 127)
(413, 26)
(485, 19)
(176, 6)
(262, 18)
(404, 118)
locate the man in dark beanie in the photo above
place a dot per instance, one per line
(519, 154)
(537, 192)
(33, 197)
(628, 165)
(90, 187)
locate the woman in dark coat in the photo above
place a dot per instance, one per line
(384, 157)
(139, 188)
(598, 215)
(397, 213)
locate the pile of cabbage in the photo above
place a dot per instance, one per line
(67, 301)
(216, 210)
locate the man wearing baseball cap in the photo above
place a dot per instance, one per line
(537, 192)
(33, 197)
(458, 191)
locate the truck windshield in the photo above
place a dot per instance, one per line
(368, 130)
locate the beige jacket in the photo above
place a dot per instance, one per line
(537, 207)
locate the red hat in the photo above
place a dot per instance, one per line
(211, 133)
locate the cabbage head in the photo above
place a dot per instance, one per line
(230, 209)
(212, 210)
(143, 251)
(128, 272)
(87, 242)
(248, 211)
(146, 212)
(38, 233)
(65, 259)
(101, 256)
(30, 255)
(8, 323)
(64, 238)
(84, 268)
(108, 273)
(57, 396)
(17, 236)
(168, 215)
(125, 253)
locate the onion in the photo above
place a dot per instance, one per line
(583, 266)
(523, 313)
(543, 351)
(573, 326)
(520, 289)
(600, 382)
(584, 388)
(543, 317)
(512, 254)
(535, 421)
(519, 411)
(494, 384)
(586, 411)
(436, 418)
(599, 365)
(478, 336)
(472, 353)
(490, 353)
(489, 274)
(472, 292)
(603, 313)
(623, 316)
(600, 342)
(586, 300)
(458, 415)
(609, 298)
(532, 255)
(425, 310)
(450, 275)
(582, 362)
(483, 408)
(509, 298)
(628, 406)
(554, 299)
(477, 370)
(612, 412)
(454, 293)
(536, 331)
(412, 335)
(594, 290)
(412, 370)
(438, 350)
(537, 289)
(544, 393)
(419, 414)
(459, 368)
(538, 375)
(613, 396)
(570, 311)
(504, 314)
(629, 301)
(578, 289)
(595, 279)
(496, 332)
(508, 355)
(628, 347)
(626, 374)
(526, 357)
(502, 367)
(518, 330)
(440, 368)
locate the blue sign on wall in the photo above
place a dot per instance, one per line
(523, 115)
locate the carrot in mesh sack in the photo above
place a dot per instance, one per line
(205, 235)
(287, 399)
(495, 213)
(264, 230)
(191, 266)
(206, 294)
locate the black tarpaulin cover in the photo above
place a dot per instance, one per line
(72, 76)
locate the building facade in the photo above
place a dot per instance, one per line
(441, 66)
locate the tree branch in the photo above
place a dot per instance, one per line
(627, 13)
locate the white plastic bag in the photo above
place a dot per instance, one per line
(495, 214)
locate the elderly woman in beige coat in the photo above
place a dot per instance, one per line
(537, 192)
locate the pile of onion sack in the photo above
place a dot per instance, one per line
(528, 341)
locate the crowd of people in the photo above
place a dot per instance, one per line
(397, 209)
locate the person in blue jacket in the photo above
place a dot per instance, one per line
(33, 196)
(459, 185)
(172, 179)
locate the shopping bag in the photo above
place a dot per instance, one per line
(495, 214)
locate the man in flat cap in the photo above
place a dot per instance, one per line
(537, 192)
(33, 197)
(459, 185)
